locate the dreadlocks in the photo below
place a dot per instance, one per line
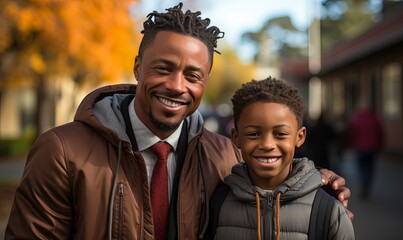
(188, 23)
(268, 90)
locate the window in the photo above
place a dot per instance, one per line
(391, 91)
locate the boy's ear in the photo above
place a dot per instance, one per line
(301, 135)
(235, 137)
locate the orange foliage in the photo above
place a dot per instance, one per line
(92, 40)
(227, 75)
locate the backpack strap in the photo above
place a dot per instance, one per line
(219, 195)
(319, 222)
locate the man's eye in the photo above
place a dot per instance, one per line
(192, 77)
(161, 69)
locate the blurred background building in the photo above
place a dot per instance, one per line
(370, 67)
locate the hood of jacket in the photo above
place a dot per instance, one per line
(101, 110)
(303, 179)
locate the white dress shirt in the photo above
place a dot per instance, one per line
(145, 139)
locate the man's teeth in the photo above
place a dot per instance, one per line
(267, 160)
(169, 103)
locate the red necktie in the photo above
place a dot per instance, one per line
(159, 190)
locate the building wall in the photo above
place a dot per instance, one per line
(377, 77)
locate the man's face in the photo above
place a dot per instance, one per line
(171, 75)
(267, 136)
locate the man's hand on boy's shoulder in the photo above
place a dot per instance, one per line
(335, 185)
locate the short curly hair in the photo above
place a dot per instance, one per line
(187, 23)
(268, 90)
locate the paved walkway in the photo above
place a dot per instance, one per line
(11, 170)
(10, 173)
(379, 217)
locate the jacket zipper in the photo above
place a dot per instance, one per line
(120, 194)
(202, 208)
(202, 197)
(270, 203)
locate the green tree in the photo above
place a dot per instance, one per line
(279, 34)
(344, 20)
(340, 21)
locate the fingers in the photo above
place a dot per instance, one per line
(336, 185)
(350, 214)
(343, 195)
(326, 174)
(337, 182)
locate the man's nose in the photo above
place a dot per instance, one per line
(177, 83)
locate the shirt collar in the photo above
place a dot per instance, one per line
(148, 138)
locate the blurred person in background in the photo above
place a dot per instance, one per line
(320, 136)
(93, 178)
(365, 137)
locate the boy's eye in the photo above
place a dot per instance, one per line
(252, 134)
(281, 134)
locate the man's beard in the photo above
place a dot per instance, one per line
(161, 126)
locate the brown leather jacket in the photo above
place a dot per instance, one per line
(73, 170)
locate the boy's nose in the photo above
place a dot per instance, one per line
(268, 142)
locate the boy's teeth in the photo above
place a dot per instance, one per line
(267, 160)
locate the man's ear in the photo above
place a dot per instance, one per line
(301, 135)
(136, 67)
(235, 138)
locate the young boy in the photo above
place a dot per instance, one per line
(270, 195)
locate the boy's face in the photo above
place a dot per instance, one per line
(267, 136)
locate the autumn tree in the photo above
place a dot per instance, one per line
(228, 73)
(87, 41)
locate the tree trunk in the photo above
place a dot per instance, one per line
(45, 105)
(39, 100)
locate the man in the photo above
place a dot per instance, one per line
(90, 179)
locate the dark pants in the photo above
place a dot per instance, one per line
(366, 169)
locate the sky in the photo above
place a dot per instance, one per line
(234, 17)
